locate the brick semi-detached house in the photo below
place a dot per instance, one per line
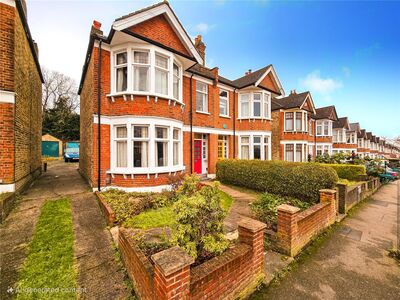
(151, 109)
(20, 99)
(155, 110)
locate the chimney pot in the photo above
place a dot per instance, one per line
(293, 92)
(96, 24)
(248, 72)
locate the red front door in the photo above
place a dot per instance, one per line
(197, 157)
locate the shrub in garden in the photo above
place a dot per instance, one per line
(199, 220)
(346, 171)
(265, 207)
(298, 180)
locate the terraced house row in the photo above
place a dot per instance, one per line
(150, 108)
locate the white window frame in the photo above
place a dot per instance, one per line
(322, 124)
(304, 121)
(151, 123)
(129, 48)
(226, 99)
(134, 64)
(251, 134)
(205, 98)
(224, 139)
(265, 104)
(124, 139)
(137, 139)
(116, 67)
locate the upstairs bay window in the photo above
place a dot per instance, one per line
(201, 97)
(254, 105)
(324, 128)
(223, 103)
(296, 121)
(339, 136)
(146, 70)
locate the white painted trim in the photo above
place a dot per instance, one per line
(153, 12)
(7, 97)
(225, 87)
(208, 130)
(272, 70)
(115, 120)
(198, 78)
(141, 171)
(251, 135)
(8, 2)
(154, 189)
(212, 176)
(7, 188)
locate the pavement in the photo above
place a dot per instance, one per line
(100, 275)
(353, 263)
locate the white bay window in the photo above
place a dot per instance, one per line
(255, 145)
(145, 145)
(255, 105)
(296, 121)
(324, 127)
(146, 70)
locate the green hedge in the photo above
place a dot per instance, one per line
(349, 172)
(299, 180)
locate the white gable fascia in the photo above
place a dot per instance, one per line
(272, 70)
(156, 11)
(312, 102)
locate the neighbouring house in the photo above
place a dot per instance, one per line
(293, 129)
(20, 99)
(51, 146)
(362, 143)
(150, 108)
(324, 118)
(344, 137)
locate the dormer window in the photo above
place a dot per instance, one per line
(121, 71)
(146, 70)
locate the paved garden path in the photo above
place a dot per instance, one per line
(353, 263)
(99, 275)
(239, 209)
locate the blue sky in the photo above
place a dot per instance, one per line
(345, 53)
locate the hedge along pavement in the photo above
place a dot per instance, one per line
(300, 180)
(349, 172)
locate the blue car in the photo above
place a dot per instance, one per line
(71, 154)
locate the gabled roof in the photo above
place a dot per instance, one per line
(362, 134)
(327, 112)
(255, 78)
(369, 136)
(355, 127)
(342, 123)
(209, 73)
(294, 100)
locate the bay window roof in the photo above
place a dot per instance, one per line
(294, 100)
(342, 123)
(327, 112)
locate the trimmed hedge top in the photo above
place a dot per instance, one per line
(299, 180)
(349, 172)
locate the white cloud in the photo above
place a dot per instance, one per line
(315, 83)
(204, 27)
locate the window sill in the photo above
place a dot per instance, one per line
(254, 118)
(141, 171)
(202, 112)
(302, 132)
(223, 116)
(132, 93)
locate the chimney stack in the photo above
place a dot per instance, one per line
(201, 48)
(96, 28)
(293, 92)
(248, 72)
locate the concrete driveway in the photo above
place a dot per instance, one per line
(100, 276)
(353, 263)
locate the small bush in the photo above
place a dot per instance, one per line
(266, 207)
(299, 180)
(346, 171)
(199, 220)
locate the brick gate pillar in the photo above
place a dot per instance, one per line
(287, 228)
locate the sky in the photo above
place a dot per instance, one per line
(346, 53)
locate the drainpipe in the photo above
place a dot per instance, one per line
(191, 124)
(98, 117)
(234, 123)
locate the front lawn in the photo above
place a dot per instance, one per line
(50, 260)
(153, 218)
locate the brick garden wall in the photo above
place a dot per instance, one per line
(296, 229)
(235, 273)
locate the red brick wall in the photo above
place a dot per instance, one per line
(236, 272)
(7, 39)
(344, 146)
(268, 83)
(296, 229)
(159, 30)
(7, 143)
